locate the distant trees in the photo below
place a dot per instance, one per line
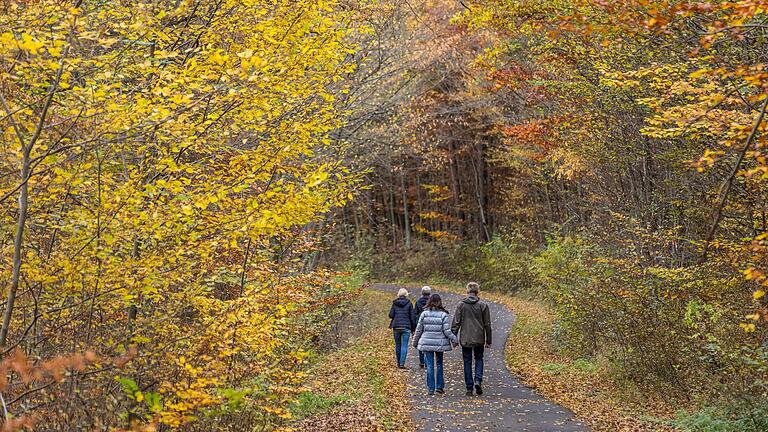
(623, 141)
(428, 146)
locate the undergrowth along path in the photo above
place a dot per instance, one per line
(506, 405)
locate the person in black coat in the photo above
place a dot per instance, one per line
(403, 322)
(420, 305)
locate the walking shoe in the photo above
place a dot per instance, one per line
(431, 393)
(469, 392)
(421, 365)
(478, 389)
(439, 391)
(401, 366)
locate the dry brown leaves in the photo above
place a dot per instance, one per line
(366, 375)
(358, 417)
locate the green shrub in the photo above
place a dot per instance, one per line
(554, 368)
(584, 365)
(504, 264)
(742, 417)
(564, 279)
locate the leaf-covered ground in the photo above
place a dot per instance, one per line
(357, 388)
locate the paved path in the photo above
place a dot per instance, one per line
(506, 405)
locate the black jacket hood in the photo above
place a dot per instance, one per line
(471, 299)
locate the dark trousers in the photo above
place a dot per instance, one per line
(468, 353)
(421, 358)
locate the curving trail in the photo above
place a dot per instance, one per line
(506, 405)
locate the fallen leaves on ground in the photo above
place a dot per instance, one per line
(358, 417)
(366, 377)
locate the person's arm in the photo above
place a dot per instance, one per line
(447, 330)
(487, 325)
(456, 320)
(392, 312)
(419, 331)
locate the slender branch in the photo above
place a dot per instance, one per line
(725, 188)
(9, 116)
(24, 201)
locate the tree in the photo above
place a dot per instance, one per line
(167, 158)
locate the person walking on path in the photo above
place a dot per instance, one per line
(420, 304)
(472, 322)
(403, 322)
(433, 337)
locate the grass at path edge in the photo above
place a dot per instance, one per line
(358, 388)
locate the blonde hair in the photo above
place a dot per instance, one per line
(402, 293)
(473, 288)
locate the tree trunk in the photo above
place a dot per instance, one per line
(393, 221)
(456, 186)
(26, 173)
(17, 245)
(407, 220)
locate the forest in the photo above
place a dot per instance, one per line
(196, 194)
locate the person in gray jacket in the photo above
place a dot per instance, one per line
(434, 337)
(472, 323)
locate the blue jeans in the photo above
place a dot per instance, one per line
(434, 362)
(401, 345)
(467, 353)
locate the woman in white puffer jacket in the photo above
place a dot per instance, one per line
(434, 337)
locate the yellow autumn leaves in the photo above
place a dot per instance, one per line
(183, 157)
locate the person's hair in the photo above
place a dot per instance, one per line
(434, 303)
(473, 288)
(425, 290)
(402, 293)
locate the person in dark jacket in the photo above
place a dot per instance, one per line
(420, 303)
(403, 322)
(433, 337)
(472, 322)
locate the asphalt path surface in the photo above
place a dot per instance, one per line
(506, 404)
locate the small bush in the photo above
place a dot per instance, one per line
(742, 417)
(584, 365)
(554, 368)
(504, 264)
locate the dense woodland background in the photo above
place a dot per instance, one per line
(182, 180)
(606, 157)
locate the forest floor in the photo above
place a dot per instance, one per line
(527, 386)
(355, 388)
